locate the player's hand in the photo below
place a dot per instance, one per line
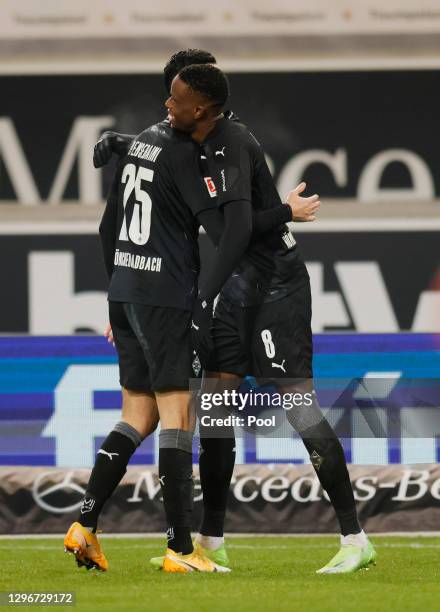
(103, 149)
(108, 333)
(201, 337)
(110, 142)
(303, 209)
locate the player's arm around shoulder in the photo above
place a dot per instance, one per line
(111, 142)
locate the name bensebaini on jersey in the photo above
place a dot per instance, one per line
(143, 150)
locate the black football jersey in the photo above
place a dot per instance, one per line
(159, 190)
(235, 168)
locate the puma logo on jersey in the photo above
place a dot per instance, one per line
(211, 186)
(221, 151)
(279, 365)
(103, 452)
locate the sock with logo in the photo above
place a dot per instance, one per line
(110, 466)
(328, 459)
(176, 481)
(216, 464)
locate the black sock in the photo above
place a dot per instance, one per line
(216, 463)
(342, 498)
(175, 476)
(328, 459)
(110, 466)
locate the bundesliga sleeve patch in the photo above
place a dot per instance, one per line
(211, 186)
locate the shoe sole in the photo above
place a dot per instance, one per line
(157, 563)
(365, 566)
(173, 565)
(73, 547)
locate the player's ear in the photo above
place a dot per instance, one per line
(201, 111)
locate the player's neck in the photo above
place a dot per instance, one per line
(205, 127)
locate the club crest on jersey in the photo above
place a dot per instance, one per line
(211, 186)
(196, 365)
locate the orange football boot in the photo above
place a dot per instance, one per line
(196, 561)
(85, 546)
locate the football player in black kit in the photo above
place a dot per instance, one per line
(149, 231)
(272, 286)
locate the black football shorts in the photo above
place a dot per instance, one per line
(269, 341)
(232, 333)
(282, 345)
(153, 345)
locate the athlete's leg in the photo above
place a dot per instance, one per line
(283, 342)
(139, 419)
(164, 334)
(283, 350)
(216, 466)
(175, 466)
(327, 457)
(232, 332)
(139, 410)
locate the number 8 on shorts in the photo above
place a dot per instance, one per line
(269, 346)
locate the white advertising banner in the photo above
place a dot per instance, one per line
(57, 19)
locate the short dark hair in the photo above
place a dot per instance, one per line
(207, 80)
(186, 57)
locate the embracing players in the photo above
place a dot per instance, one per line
(149, 231)
(272, 278)
(262, 322)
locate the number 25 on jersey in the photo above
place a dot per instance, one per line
(140, 224)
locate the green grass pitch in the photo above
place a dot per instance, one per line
(269, 574)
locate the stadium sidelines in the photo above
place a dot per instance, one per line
(340, 224)
(229, 64)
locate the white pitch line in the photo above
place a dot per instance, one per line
(412, 545)
(140, 536)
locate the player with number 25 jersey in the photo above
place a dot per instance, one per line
(156, 258)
